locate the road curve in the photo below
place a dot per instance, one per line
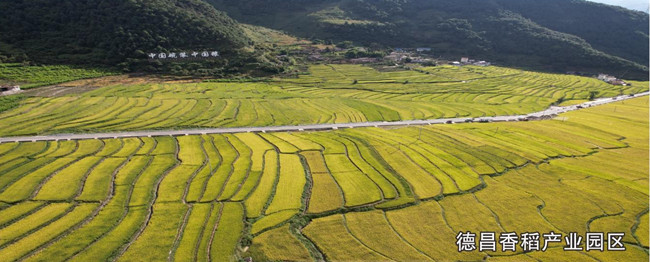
(552, 111)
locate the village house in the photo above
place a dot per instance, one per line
(606, 77)
(611, 80)
(618, 82)
(421, 60)
(397, 56)
(468, 61)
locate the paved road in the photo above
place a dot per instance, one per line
(319, 127)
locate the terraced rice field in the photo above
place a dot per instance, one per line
(376, 194)
(329, 94)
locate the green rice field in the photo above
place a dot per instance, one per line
(31, 76)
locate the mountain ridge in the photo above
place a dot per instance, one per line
(530, 34)
(554, 35)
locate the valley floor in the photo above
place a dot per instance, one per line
(366, 193)
(380, 193)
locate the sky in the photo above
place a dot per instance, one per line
(641, 5)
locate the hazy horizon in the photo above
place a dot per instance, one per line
(640, 5)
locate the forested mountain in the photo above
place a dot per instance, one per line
(557, 35)
(109, 32)
(614, 30)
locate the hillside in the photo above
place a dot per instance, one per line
(550, 35)
(553, 35)
(110, 32)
